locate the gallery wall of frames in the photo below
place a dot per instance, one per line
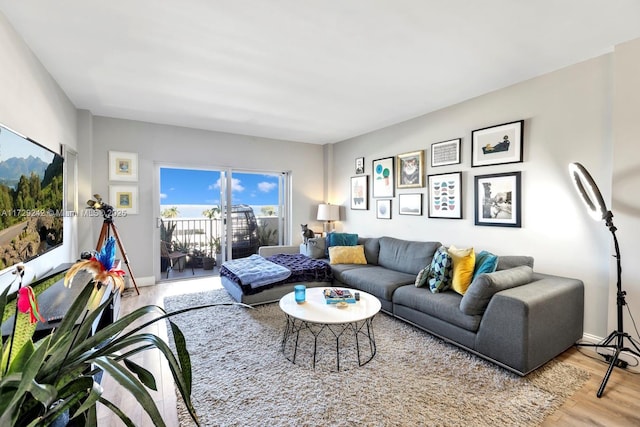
(497, 196)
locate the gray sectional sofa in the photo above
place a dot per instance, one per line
(514, 317)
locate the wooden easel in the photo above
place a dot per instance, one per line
(108, 225)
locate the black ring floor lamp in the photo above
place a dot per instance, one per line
(592, 198)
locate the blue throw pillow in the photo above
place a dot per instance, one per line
(341, 239)
(486, 262)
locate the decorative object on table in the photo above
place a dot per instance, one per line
(328, 213)
(306, 232)
(383, 177)
(410, 204)
(383, 209)
(445, 195)
(300, 292)
(124, 198)
(410, 167)
(360, 192)
(359, 165)
(46, 381)
(337, 296)
(445, 152)
(496, 145)
(123, 166)
(109, 227)
(615, 341)
(497, 199)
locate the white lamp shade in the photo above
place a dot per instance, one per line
(328, 212)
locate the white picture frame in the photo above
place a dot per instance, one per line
(124, 199)
(123, 166)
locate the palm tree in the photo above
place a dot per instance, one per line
(171, 212)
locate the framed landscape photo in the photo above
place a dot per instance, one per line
(497, 199)
(383, 178)
(360, 192)
(359, 165)
(123, 166)
(410, 166)
(124, 198)
(383, 209)
(445, 152)
(496, 145)
(410, 204)
(445, 195)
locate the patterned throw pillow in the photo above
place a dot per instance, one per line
(441, 272)
(423, 277)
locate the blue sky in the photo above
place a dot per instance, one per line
(186, 187)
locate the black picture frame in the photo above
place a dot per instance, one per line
(499, 144)
(360, 192)
(359, 165)
(498, 199)
(446, 152)
(383, 178)
(445, 195)
(383, 209)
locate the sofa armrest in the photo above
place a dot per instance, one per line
(266, 251)
(526, 326)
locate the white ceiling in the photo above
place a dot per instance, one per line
(316, 71)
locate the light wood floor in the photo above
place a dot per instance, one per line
(619, 406)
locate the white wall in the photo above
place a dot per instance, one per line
(191, 148)
(567, 117)
(33, 104)
(626, 178)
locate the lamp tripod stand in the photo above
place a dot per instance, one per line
(591, 196)
(615, 340)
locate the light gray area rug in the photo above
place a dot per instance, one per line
(241, 377)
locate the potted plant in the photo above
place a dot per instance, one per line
(214, 255)
(41, 382)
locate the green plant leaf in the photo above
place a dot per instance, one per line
(126, 420)
(183, 355)
(143, 375)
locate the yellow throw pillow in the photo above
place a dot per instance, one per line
(347, 255)
(464, 261)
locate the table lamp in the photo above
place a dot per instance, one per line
(328, 213)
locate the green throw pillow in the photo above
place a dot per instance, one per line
(441, 272)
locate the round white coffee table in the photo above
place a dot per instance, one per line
(316, 317)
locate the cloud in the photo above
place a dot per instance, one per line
(235, 185)
(163, 196)
(266, 187)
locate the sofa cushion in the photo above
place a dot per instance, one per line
(486, 262)
(443, 305)
(375, 280)
(405, 256)
(371, 248)
(483, 287)
(510, 261)
(441, 271)
(464, 261)
(347, 255)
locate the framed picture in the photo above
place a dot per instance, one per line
(445, 152)
(497, 144)
(383, 209)
(497, 199)
(383, 185)
(410, 204)
(410, 169)
(360, 192)
(445, 195)
(359, 165)
(123, 166)
(124, 198)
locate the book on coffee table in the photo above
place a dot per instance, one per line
(335, 295)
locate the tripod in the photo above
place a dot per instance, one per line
(108, 225)
(615, 340)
